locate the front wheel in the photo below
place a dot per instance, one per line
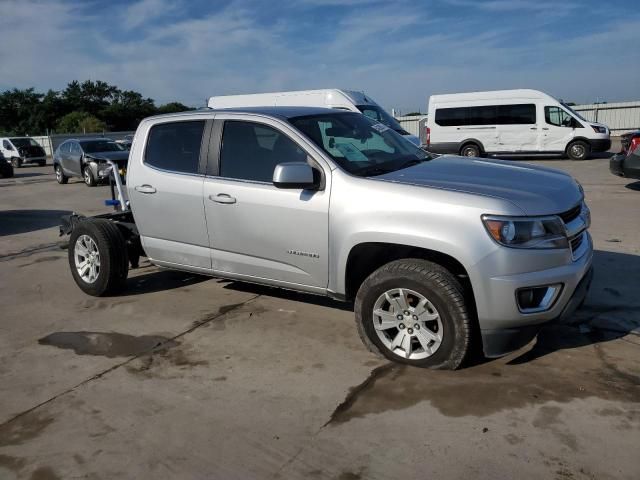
(413, 311)
(16, 162)
(87, 175)
(98, 257)
(578, 150)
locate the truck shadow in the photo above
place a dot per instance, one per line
(633, 186)
(13, 222)
(611, 310)
(160, 281)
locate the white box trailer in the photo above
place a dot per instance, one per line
(325, 98)
(511, 122)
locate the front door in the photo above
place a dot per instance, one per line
(256, 230)
(558, 129)
(165, 191)
(74, 159)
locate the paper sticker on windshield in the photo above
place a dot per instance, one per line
(379, 127)
(351, 153)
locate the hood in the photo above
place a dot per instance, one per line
(535, 190)
(115, 156)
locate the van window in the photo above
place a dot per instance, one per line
(7, 145)
(251, 151)
(175, 146)
(557, 116)
(517, 114)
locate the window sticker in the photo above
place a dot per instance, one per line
(379, 127)
(351, 153)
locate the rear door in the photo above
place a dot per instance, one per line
(257, 231)
(165, 191)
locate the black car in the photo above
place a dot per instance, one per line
(627, 162)
(6, 169)
(87, 158)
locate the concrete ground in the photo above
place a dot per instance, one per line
(247, 382)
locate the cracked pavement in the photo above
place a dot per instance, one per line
(184, 376)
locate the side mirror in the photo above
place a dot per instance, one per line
(294, 175)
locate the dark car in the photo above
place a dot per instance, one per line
(627, 162)
(6, 169)
(87, 159)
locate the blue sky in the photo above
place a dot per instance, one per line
(398, 52)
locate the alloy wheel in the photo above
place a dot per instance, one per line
(407, 323)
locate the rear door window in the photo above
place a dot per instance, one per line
(175, 146)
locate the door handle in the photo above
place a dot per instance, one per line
(533, 128)
(145, 189)
(222, 198)
(545, 128)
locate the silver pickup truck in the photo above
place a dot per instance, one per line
(435, 253)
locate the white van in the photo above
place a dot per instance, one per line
(511, 122)
(326, 98)
(21, 150)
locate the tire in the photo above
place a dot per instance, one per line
(87, 176)
(104, 237)
(16, 162)
(446, 315)
(470, 150)
(578, 150)
(61, 178)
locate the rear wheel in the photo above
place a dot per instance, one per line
(87, 175)
(470, 150)
(413, 311)
(578, 150)
(16, 162)
(98, 257)
(61, 178)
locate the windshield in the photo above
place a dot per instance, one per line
(100, 146)
(24, 142)
(567, 107)
(379, 115)
(360, 145)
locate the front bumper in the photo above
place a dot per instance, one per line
(499, 342)
(600, 144)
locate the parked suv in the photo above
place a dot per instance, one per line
(86, 159)
(21, 150)
(436, 253)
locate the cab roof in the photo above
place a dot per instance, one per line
(280, 112)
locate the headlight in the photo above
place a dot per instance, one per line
(598, 129)
(527, 232)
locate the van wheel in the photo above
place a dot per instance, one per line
(98, 257)
(88, 177)
(578, 150)
(413, 311)
(470, 150)
(16, 162)
(61, 178)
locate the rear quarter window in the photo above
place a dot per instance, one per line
(175, 146)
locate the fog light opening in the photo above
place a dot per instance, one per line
(537, 299)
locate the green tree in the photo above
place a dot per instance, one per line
(76, 122)
(173, 107)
